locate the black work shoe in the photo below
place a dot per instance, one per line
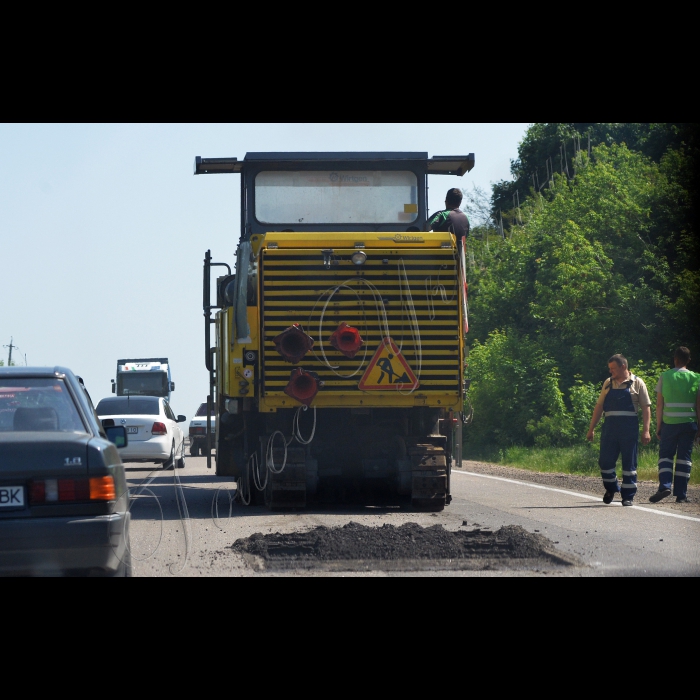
(609, 495)
(661, 493)
(627, 502)
(681, 499)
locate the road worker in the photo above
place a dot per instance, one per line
(677, 408)
(620, 399)
(451, 218)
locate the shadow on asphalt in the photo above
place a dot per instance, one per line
(201, 501)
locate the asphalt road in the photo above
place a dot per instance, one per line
(183, 524)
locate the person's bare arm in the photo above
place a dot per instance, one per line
(646, 423)
(659, 413)
(597, 413)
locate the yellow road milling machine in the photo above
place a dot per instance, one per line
(336, 366)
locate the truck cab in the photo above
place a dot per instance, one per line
(148, 376)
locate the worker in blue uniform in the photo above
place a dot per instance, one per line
(622, 396)
(677, 408)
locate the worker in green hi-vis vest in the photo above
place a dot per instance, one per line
(677, 408)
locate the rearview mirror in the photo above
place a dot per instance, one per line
(181, 419)
(117, 435)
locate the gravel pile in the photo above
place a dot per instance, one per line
(408, 546)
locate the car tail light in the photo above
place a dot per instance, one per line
(73, 490)
(102, 489)
(159, 429)
(37, 491)
(199, 431)
(99, 488)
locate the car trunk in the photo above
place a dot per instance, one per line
(39, 455)
(138, 427)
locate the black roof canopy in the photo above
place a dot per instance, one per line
(437, 165)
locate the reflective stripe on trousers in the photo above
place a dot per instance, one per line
(676, 441)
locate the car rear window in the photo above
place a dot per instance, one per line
(38, 404)
(202, 410)
(128, 406)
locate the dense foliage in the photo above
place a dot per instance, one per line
(602, 259)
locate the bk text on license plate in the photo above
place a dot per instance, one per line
(11, 496)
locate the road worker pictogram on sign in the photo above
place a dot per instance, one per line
(388, 370)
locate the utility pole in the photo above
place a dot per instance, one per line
(9, 356)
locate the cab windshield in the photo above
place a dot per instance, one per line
(336, 197)
(38, 404)
(142, 384)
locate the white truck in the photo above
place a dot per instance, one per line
(144, 376)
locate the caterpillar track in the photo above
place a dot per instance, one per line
(429, 477)
(288, 488)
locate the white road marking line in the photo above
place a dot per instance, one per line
(574, 493)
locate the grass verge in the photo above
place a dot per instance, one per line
(580, 459)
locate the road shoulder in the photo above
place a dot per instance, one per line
(587, 484)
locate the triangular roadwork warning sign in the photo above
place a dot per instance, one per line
(388, 370)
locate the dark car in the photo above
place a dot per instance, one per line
(64, 501)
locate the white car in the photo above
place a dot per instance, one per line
(151, 426)
(198, 430)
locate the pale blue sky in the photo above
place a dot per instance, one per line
(103, 230)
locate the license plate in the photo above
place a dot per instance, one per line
(132, 430)
(11, 496)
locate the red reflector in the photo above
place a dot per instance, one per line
(303, 386)
(159, 429)
(37, 492)
(293, 343)
(346, 339)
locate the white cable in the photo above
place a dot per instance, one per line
(295, 426)
(331, 293)
(469, 416)
(415, 328)
(143, 489)
(215, 499)
(242, 486)
(255, 471)
(439, 287)
(184, 519)
(269, 458)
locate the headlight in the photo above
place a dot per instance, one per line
(359, 257)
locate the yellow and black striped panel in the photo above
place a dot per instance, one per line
(411, 294)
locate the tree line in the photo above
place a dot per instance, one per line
(589, 250)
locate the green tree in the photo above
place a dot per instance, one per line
(515, 394)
